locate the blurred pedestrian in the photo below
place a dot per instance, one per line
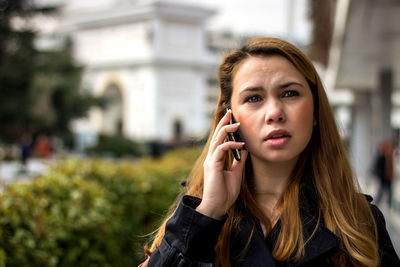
(25, 145)
(43, 146)
(383, 169)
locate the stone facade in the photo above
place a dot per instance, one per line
(151, 60)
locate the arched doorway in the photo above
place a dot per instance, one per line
(112, 114)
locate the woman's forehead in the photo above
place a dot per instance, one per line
(273, 69)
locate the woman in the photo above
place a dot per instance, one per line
(292, 199)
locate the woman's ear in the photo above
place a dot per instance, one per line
(315, 122)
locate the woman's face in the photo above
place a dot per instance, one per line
(274, 105)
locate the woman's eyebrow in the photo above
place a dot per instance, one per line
(254, 89)
(288, 84)
(251, 90)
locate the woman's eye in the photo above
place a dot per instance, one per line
(254, 98)
(290, 93)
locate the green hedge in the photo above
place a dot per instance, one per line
(115, 146)
(89, 213)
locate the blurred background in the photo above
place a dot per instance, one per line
(104, 107)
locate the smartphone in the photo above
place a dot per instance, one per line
(235, 138)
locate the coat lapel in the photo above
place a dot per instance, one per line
(321, 242)
(319, 239)
(257, 253)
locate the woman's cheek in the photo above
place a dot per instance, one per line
(246, 131)
(308, 114)
(303, 113)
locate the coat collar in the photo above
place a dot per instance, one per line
(319, 239)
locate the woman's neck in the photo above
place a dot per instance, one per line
(270, 180)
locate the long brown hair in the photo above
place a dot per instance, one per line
(344, 210)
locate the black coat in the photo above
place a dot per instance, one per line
(190, 238)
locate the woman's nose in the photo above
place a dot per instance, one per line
(274, 112)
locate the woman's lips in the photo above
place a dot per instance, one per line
(277, 138)
(276, 142)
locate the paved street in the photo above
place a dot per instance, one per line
(392, 216)
(393, 226)
(14, 171)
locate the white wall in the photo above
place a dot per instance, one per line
(181, 96)
(159, 62)
(113, 44)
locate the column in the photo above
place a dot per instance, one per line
(360, 141)
(385, 92)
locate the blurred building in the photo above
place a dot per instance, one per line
(151, 60)
(364, 62)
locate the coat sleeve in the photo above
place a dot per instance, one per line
(190, 238)
(387, 253)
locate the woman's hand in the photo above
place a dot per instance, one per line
(144, 264)
(221, 187)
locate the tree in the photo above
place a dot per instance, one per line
(57, 89)
(39, 90)
(16, 69)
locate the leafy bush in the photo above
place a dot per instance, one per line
(85, 213)
(115, 146)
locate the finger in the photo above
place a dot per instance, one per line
(223, 148)
(224, 120)
(220, 136)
